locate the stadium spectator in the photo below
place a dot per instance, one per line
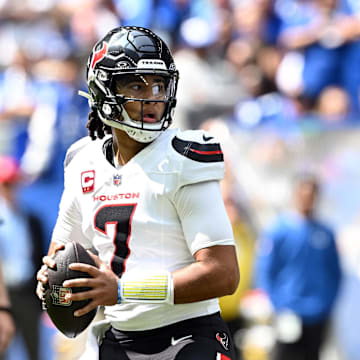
(164, 16)
(56, 122)
(16, 96)
(321, 41)
(196, 61)
(7, 326)
(298, 267)
(303, 30)
(21, 255)
(333, 106)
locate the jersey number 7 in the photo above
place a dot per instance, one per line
(121, 216)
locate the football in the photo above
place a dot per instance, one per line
(60, 309)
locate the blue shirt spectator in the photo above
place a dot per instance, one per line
(21, 252)
(57, 121)
(303, 25)
(298, 267)
(327, 34)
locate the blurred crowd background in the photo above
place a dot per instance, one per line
(276, 80)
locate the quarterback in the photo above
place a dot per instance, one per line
(146, 197)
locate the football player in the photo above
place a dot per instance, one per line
(147, 198)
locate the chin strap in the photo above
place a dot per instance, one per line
(88, 97)
(84, 94)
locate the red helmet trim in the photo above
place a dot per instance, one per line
(99, 55)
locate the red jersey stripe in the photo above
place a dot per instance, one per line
(220, 356)
(206, 152)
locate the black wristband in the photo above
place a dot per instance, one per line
(6, 308)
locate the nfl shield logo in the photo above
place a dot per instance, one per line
(117, 179)
(58, 295)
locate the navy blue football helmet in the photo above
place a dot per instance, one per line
(124, 53)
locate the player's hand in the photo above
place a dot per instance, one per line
(7, 330)
(103, 283)
(42, 274)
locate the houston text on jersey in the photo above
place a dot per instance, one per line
(115, 197)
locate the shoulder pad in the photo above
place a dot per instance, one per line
(75, 148)
(198, 145)
(197, 156)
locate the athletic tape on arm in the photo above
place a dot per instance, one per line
(147, 287)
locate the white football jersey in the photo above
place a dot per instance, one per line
(135, 216)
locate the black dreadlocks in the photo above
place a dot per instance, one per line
(96, 128)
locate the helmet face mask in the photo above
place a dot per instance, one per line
(132, 82)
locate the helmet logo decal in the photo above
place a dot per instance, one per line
(122, 65)
(151, 64)
(99, 55)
